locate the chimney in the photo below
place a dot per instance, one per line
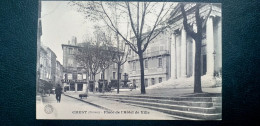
(74, 40)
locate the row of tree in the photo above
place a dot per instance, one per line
(147, 20)
(96, 55)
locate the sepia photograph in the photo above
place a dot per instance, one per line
(129, 60)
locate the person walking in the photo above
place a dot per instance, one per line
(58, 91)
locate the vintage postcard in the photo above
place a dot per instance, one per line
(122, 60)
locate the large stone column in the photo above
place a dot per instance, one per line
(219, 51)
(193, 56)
(173, 57)
(178, 56)
(210, 47)
(189, 58)
(183, 53)
(193, 51)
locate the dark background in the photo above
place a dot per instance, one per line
(18, 28)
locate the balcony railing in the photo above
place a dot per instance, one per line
(150, 54)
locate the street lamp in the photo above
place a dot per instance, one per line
(214, 54)
(125, 79)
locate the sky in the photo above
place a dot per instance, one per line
(61, 21)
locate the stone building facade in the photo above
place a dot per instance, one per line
(170, 56)
(75, 77)
(39, 34)
(59, 73)
(183, 46)
(156, 62)
(47, 67)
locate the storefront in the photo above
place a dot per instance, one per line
(74, 85)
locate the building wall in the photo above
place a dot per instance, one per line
(158, 49)
(47, 65)
(179, 56)
(74, 71)
(44, 69)
(39, 33)
(59, 73)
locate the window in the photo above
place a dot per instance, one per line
(159, 62)
(65, 76)
(114, 75)
(70, 50)
(84, 76)
(146, 82)
(146, 64)
(79, 50)
(75, 76)
(102, 76)
(70, 62)
(69, 76)
(119, 75)
(134, 66)
(161, 48)
(80, 77)
(160, 79)
(153, 81)
(114, 65)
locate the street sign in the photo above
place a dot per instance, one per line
(73, 81)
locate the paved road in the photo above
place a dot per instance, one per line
(70, 108)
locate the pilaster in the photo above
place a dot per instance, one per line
(183, 53)
(210, 47)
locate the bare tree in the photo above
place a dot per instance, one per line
(120, 58)
(94, 57)
(197, 36)
(141, 15)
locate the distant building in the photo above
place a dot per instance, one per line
(59, 73)
(47, 66)
(45, 69)
(52, 61)
(39, 34)
(75, 77)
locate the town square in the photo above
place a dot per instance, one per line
(129, 60)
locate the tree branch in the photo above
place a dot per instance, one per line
(185, 24)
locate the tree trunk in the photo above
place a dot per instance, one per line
(197, 72)
(87, 84)
(118, 79)
(103, 86)
(94, 84)
(140, 54)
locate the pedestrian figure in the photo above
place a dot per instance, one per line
(49, 91)
(96, 87)
(58, 91)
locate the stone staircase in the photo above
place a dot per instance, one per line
(187, 107)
